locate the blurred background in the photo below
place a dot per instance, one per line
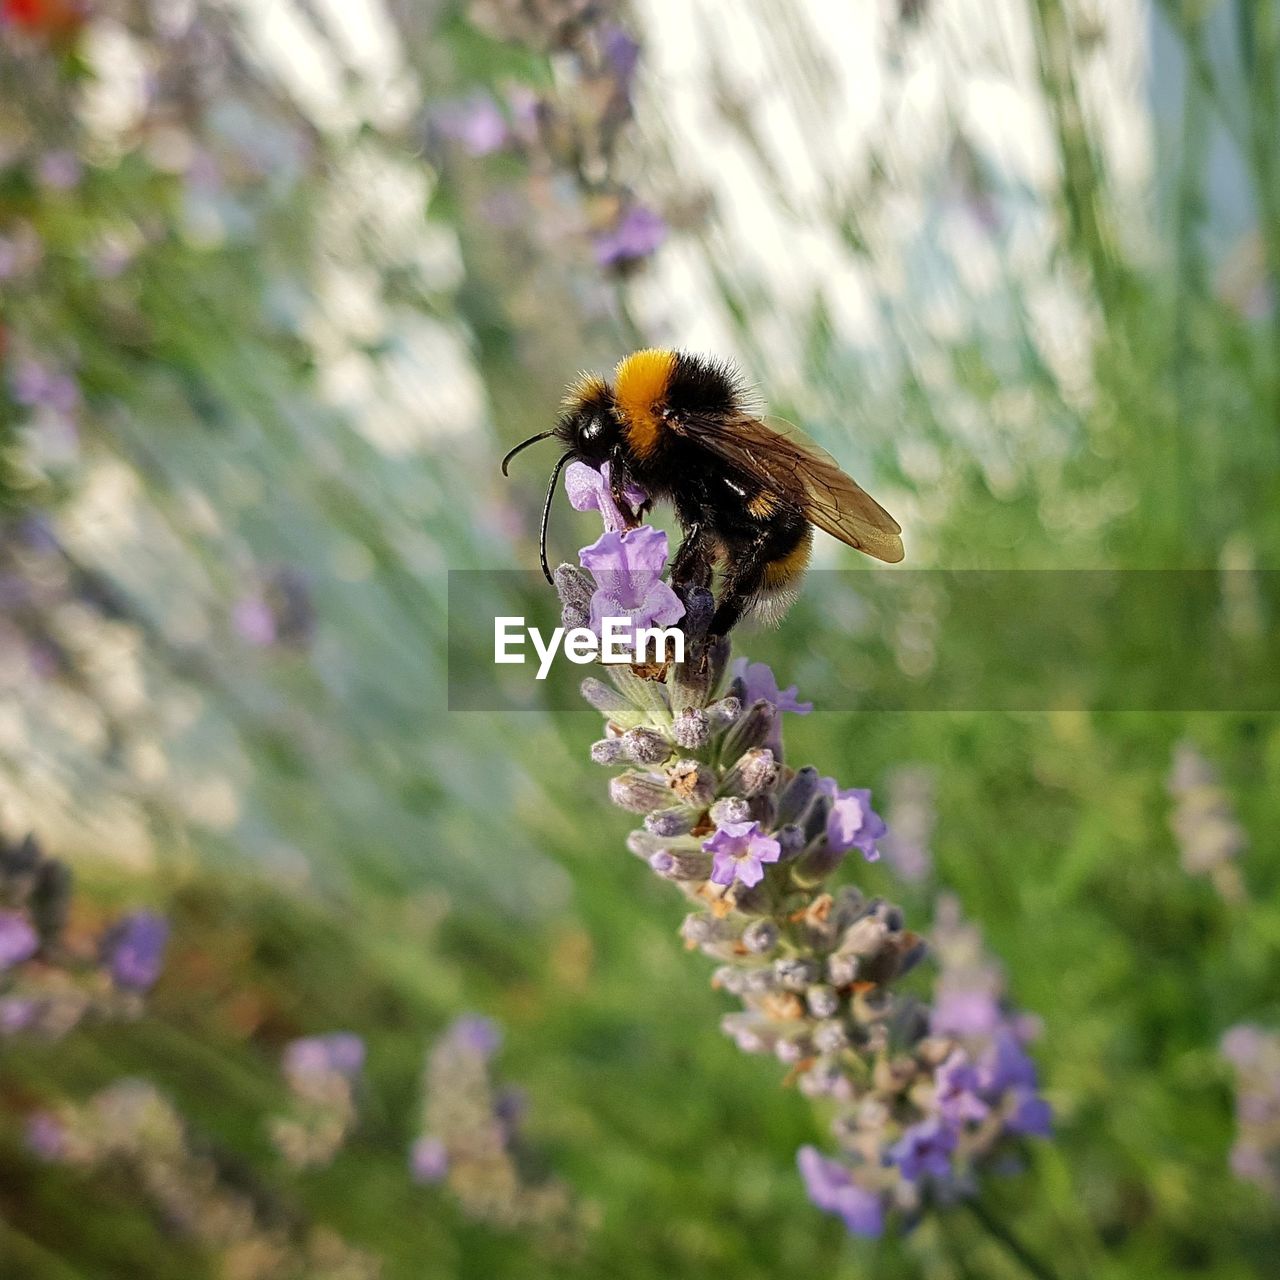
(280, 281)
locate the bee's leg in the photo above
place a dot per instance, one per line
(769, 564)
(693, 562)
(617, 482)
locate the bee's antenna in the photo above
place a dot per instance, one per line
(524, 444)
(546, 511)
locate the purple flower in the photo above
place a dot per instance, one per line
(741, 849)
(428, 1160)
(622, 52)
(852, 823)
(958, 1083)
(254, 620)
(628, 568)
(481, 1036)
(924, 1150)
(1030, 1115)
(18, 940)
(337, 1053)
(45, 1136)
(58, 170)
(1243, 1044)
(37, 386)
(588, 490)
(965, 1012)
(1006, 1066)
(831, 1187)
(16, 1014)
(638, 234)
(758, 682)
(475, 123)
(135, 950)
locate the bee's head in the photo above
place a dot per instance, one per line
(589, 426)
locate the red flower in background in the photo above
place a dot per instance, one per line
(54, 17)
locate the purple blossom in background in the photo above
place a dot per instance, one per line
(588, 490)
(1255, 1056)
(135, 950)
(852, 823)
(428, 1161)
(18, 940)
(622, 53)
(39, 387)
(476, 1034)
(831, 1187)
(740, 851)
(45, 1137)
(911, 818)
(16, 1014)
(628, 568)
(277, 611)
(254, 621)
(957, 1085)
(1005, 1065)
(924, 1150)
(965, 1013)
(475, 123)
(1030, 1115)
(58, 170)
(758, 682)
(337, 1053)
(638, 234)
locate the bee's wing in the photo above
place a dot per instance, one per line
(780, 455)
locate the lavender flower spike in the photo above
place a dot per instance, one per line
(923, 1104)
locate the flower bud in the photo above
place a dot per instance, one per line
(700, 929)
(822, 1001)
(794, 973)
(575, 590)
(789, 1051)
(797, 795)
(760, 936)
(842, 970)
(692, 782)
(691, 729)
(755, 772)
(671, 822)
(607, 751)
(723, 713)
(639, 792)
(752, 729)
(729, 809)
(791, 838)
(672, 864)
(731, 979)
(830, 1036)
(645, 746)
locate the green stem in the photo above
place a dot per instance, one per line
(1010, 1243)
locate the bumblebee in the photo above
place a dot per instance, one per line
(746, 491)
